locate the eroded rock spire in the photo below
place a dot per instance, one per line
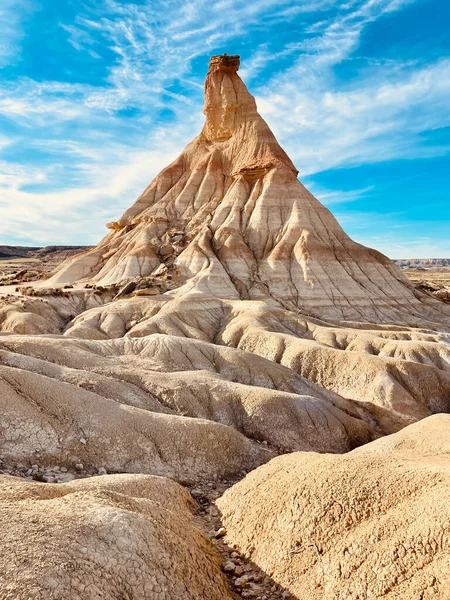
(249, 229)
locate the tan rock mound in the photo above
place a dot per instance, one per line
(372, 523)
(45, 421)
(227, 317)
(227, 247)
(398, 373)
(116, 537)
(46, 310)
(162, 377)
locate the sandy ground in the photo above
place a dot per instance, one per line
(439, 277)
(12, 289)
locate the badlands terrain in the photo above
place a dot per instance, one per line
(22, 262)
(226, 397)
(430, 275)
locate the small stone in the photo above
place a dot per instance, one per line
(102, 471)
(64, 469)
(159, 270)
(241, 582)
(126, 289)
(48, 478)
(176, 238)
(79, 467)
(239, 570)
(229, 567)
(83, 441)
(221, 532)
(66, 477)
(165, 249)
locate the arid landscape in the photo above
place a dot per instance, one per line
(429, 275)
(227, 397)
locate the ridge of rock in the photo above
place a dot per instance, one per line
(274, 325)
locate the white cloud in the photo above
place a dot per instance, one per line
(329, 198)
(381, 119)
(11, 30)
(77, 214)
(400, 236)
(419, 247)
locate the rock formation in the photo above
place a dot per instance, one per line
(112, 537)
(225, 318)
(372, 523)
(227, 254)
(229, 275)
(231, 219)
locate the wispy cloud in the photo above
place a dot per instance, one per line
(379, 121)
(380, 117)
(418, 246)
(111, 185)
(11, 31)
(334, 197)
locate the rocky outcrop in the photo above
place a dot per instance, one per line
(423, 263)
(372, 523)
(46, 421)
(162, 405)
(226, 260)
(250, 229)
(116, 537)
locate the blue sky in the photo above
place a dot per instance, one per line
(96, 96)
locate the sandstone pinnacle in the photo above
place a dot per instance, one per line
(249, 229)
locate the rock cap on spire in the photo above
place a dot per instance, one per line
(223, 62)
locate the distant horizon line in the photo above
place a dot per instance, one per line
(92, 246)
